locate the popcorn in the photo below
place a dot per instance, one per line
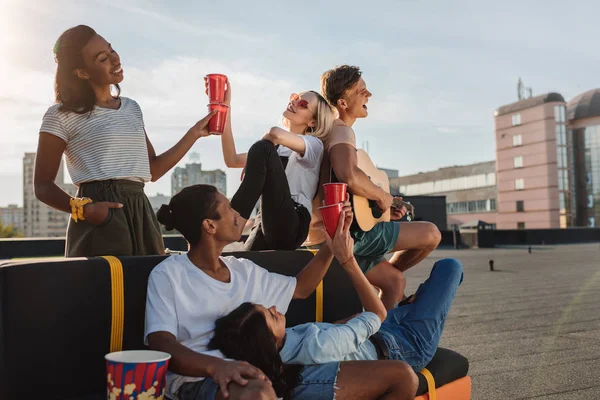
(129, 388)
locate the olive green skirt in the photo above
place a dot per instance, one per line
(129, 231)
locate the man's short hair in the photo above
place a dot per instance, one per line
(336, 81)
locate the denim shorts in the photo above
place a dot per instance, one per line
(316, 382)
(371, 247)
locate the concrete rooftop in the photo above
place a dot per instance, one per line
(530, 329)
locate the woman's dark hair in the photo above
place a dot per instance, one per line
(187, 209)
(73, 93)
(244, 335)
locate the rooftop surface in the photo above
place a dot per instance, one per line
(531, 328)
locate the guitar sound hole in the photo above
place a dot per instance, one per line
(374, 209)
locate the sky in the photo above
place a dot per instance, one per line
(437, 69)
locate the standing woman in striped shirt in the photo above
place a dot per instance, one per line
(109, 156)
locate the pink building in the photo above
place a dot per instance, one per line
(531, 163)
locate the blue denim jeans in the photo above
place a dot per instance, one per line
(412, 332)
(316, 382)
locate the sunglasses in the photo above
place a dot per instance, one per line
(299, 101)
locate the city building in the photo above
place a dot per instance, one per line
(583, 155)
(470, 191)
(391, 173)
(192, 174)
(40, 220)
(158, 200)
(12, 216)
(531, 164)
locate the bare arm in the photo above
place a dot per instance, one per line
(230, 154)
(345, 165)
(368, 297)
(288, 139)
(308, 279)
(161, 164)
(187, 362)
(47, 162)
(342, 247)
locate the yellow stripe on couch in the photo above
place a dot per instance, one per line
(118, 303)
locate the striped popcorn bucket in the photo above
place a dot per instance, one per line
(136, 374)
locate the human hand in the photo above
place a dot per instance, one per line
(398, 209)
(97, 213)
(200, 129)
(342, 244)
(272, 134)
(227, 99)
(385, 203)
(235, 371)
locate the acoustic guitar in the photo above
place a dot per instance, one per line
(366, 212)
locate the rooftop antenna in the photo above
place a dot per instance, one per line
(195, 157)
(523, 92)
(365, 146)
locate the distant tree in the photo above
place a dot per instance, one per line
(9, 231)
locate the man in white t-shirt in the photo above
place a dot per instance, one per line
(187, 293)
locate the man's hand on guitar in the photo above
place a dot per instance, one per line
(385, 203)
(398, 209)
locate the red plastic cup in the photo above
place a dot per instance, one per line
(136, 374)
(334, 193)
(216, 87)
(331, 217)
(217, 122)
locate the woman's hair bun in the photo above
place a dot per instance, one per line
(165, 216)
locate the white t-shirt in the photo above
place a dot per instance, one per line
(106, 144)
(303, 171)
(186, 302)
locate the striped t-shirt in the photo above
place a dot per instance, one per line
(106, 144)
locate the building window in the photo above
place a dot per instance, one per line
(520, 225)
(516, 119)
(473, 206)
(518, 161)
(559, 113)
(517, 140)
(520, 206)
(519, 184)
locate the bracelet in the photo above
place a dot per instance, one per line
(350, 259)
(77, 204)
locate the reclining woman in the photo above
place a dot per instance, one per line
(409, 332)
(282, 170)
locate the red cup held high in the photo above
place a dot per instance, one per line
(334, 193)
(331, 217)
(217, 121)
(216, 87)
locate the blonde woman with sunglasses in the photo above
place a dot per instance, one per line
(282, 170)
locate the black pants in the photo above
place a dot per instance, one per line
(282, 223)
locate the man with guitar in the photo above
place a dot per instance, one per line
(411, 242)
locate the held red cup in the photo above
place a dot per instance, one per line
(331, 217)
(216, 87)
(334, 193)
(217, 122)
(136, 374)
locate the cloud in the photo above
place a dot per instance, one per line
(179, 25)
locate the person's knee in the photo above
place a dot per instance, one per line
(451, 268)
(434, 235)
(406, 382)
(262, 147)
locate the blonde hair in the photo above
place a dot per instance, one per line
(324, 115)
